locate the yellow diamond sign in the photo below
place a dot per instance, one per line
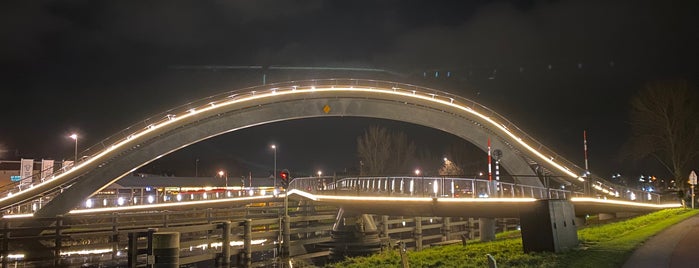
(326, 109)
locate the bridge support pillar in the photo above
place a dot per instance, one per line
(166, 249)
(486, 229)
(354, 235)
(549, 225)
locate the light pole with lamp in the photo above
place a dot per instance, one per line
(320, 183)
(422, 182)
(75, 137)
(274, 174)
(222, 173)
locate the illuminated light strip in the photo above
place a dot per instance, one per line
(626, 203)
(312, 89)
(408, 199)
(15, 216)
(232, 244)
(165, 205)
(487, 200)
(87, 252)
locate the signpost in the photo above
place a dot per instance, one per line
(693, 181)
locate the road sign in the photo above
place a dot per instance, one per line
(693, 178)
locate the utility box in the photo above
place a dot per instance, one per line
(549, 225)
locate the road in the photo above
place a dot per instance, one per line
(675, 247)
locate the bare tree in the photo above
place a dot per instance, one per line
(665, 126)
(385, 152)
(464, 159)
(450, 168)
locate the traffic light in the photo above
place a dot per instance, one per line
(286, 178)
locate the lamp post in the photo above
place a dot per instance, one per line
(321, 183)
(422, 182)
(75, 137)
(274, 174)
(196, 167)
(221, 173)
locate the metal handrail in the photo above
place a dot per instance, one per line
(477, 188)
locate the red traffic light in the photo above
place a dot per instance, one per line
(284, 175)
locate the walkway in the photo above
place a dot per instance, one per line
(677, 246)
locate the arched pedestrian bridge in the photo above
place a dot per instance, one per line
(162, 134)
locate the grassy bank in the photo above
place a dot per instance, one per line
(603, 245)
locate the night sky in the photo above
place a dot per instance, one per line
(554, 68)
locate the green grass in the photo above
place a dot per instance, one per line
(604, 245)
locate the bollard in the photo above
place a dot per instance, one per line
(166, 249)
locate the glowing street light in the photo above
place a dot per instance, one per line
(422, 183)
(75, 137)
(221, 174)
(274, 147)
(320, 173)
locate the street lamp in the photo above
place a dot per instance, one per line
(75, 137)
(320, 173)
(274, 147)
(221, 173)
(422, 183)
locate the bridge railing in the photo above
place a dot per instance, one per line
(443, 187)
(144, 197)
(448, 187)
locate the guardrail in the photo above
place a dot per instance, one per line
(252, 232)
(103, 238)
(444, 187)
(146, 197)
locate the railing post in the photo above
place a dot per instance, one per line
(58, 234)
(247, 243)
(418, 233)
(208, 215)
(471, 229)
(446, 228)
(5, 243)
(384, 226)
(286, 246)
(132, 253)
(166, 218)
(226, 243)
(115, 235)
